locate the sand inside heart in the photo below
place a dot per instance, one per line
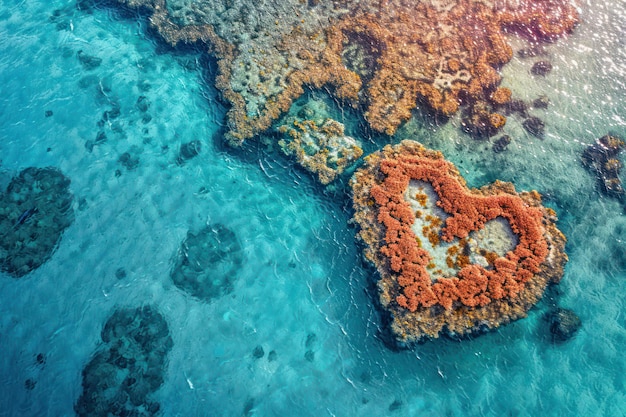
(481, 247)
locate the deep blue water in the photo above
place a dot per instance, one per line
(298, 333)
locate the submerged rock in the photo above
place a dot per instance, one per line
(129, 161)
(541, 68)
(516, 106)
(258, 352)
(535, 126)
(451, 260)
(89, 62)
(564, 324)
(143, 103)
(188, 150)
(541, 102)
(501, 144)
(208, 262)
(601, 157)
(35, 210)
(481, 122)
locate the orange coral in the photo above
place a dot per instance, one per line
(500, 96)
(497, 120)
(468, 213)
(516, 278)
(540, 19)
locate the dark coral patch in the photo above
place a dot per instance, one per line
(208, 262)
(128, 367)
(34, 211)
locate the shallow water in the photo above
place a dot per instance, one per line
(302, 292)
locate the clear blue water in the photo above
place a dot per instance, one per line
(302, 289)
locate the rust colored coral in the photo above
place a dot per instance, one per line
(510, 283)
(469, 212)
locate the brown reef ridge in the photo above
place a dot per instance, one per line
(385, 57)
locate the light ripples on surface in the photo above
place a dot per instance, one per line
(304, 292)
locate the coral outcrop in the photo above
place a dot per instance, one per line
(382, 56)
(207, 262)
(35, 210)
(128, 367)
(451, 260)
(317, 141)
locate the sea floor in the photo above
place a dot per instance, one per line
(296, 332)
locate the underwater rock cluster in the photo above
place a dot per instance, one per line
(207, 262)
(601, 157)
(34, 211)
(384, 57)
(128, 367)
(317, 141)
(451, 260)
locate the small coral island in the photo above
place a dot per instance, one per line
(451, 260)
(317, 141)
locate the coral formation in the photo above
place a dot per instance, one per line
(128, 367)
(451, 260)
(384, 56)
(207, 262)
(601, 158)
(480, 122)
(88, 62)
(318, 142)
(34, 211)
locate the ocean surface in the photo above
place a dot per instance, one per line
(295, 331)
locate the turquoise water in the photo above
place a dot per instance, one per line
(301, 295)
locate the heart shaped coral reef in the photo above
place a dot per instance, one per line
(451, 260)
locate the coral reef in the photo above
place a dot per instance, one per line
(34, 211)
(207, 262)
(318, 142)
(451, 260)
(383, 56)
(128, 367)
(601, 158)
